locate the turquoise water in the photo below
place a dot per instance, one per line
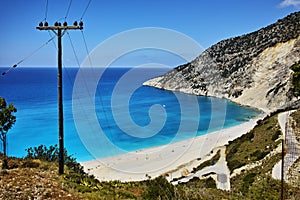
(33, 91)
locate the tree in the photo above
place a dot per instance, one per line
(7, 120)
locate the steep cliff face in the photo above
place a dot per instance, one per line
(253, 69)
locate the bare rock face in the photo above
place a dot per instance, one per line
(253, 69)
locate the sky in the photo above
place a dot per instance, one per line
(205, 21)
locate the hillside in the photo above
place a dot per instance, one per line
(252, 69)
(250, 177)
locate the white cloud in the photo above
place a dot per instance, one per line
(287, 3)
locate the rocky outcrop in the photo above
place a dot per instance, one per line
(253, 69)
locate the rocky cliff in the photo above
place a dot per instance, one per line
(252, 69)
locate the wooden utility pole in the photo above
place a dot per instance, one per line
(59, 30)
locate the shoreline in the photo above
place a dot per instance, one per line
(156, 161)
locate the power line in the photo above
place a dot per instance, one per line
(53, 42)
(68, 9)
(86, 48)
(86, 84)
(85, 9)
(28, 56)
(46, 11)
(76, 57)
(97, 91)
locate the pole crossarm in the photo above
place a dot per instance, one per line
(59, 27)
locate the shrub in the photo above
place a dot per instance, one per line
(50, 154)
(259, 154)
(210, 183)
(43, 153)
(276, 135)
(247, 182)
(235, 164)
(159, 188)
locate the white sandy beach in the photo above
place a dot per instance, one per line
(156, 161)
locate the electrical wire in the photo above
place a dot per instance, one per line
(86, 48)
(86, 85)
(53, 42)
(28, 56)
(98, 93)
(46, 11)
(76, 57)
(68, 10)
(85, 9)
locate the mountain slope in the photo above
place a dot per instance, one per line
(253, 69)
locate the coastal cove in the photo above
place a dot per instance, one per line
(154, 100)
(33, 92)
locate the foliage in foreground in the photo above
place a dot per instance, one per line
(86, 184)
(7, 120)
(256, 183)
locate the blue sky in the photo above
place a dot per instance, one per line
(206, 21)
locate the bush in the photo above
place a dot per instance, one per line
(159, 188)
(51, 154)
(259, 154)
(235, 164)
(210, 183)
(43, 153)
(276, 135)
(247, 182)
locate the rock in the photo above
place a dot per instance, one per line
(252, 69)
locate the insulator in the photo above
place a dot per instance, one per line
(80, 23)
(75, 23)
(65, 24)
(59, 24)
(46, 24)
(41, 24)
(56, 24)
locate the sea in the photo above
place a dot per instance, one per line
(147, 117)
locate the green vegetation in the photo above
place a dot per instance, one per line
(7, 120)
(200, 189)
(76, 179)
(159, 188)
(296, 79)
(247, 182)
(257, 183)
(41, 165)
(254, 145)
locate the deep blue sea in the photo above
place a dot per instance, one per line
(33, 91)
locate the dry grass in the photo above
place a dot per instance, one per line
(33, 179)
